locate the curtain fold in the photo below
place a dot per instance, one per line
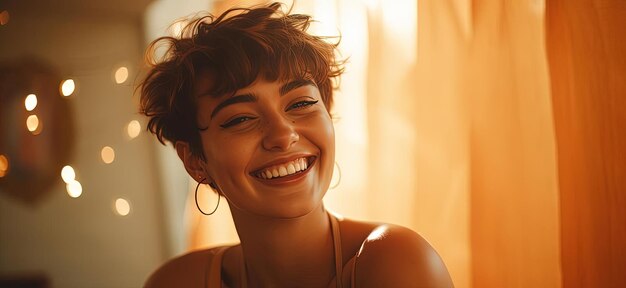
(514, 193)
(488, 162)
(587, 54)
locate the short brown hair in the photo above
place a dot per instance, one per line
(236, 47)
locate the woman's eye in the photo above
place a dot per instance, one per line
(236, 121)
(301, 104)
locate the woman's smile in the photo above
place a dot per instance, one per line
(283, 166)
(285, 172)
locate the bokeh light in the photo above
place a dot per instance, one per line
(67, 87)
(133, 129)
(107, 154)
(122, 206)
(121, 74)
(68, 174)
(30, 102)
(4, 165)
(4, 17)
(33, 124)
(74, 189)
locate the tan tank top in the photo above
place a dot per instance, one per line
(214, 275)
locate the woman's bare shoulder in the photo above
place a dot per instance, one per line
(188, 270)
(395, 256)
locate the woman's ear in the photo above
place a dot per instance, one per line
(193, 163)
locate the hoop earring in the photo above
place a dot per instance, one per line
(196, 196)
(339, 180)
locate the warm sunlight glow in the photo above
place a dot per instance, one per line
(67, 87)
(401, 22)
(107, 154)
(4, 17)
(538, 6)
(74, 189)
(33, 124)
(68, 174)
(325, 16)
(371, 4)
(30, 102)
(122, 207)
(133, 129)
(121, 74)
(4, 165)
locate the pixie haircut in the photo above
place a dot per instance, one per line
(236, 48)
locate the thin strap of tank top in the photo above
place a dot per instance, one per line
(337, 245)
(244, 275)
(353, 274)
(214, 277)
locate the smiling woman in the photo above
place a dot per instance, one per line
(245, 98)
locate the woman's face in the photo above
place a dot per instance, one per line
(269, 147)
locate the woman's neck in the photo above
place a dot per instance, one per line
(285, 252)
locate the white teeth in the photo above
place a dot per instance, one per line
(284, 169)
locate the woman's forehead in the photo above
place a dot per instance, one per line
(205, 82)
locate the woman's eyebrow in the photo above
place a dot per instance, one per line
(285, 88)
(243, 98)
(248, 97)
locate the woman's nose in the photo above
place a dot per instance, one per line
(280, 134)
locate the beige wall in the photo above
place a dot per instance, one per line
(82, 242)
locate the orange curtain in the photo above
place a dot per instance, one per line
(587, 53)
(514, 194)
(487, 142)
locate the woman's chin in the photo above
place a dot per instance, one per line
(289, 209)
